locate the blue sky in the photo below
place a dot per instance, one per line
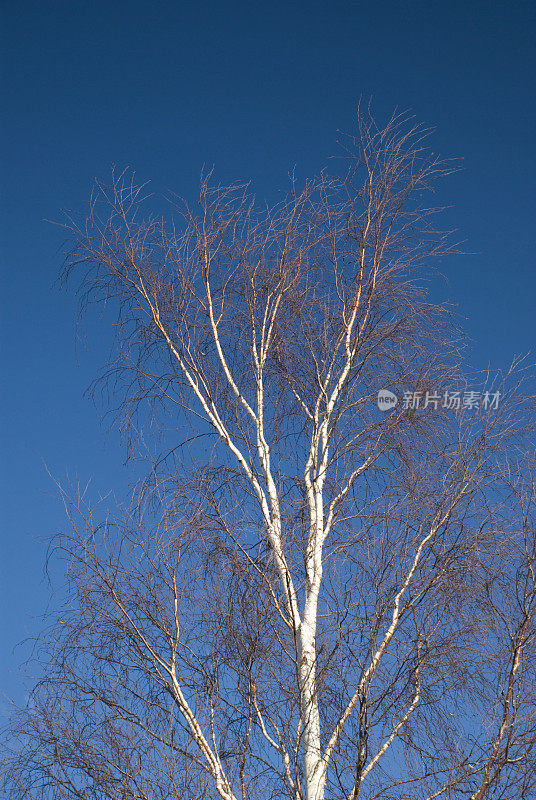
(256, 90)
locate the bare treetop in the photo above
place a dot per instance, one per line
(331, 601)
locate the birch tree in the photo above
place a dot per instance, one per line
(308, 597)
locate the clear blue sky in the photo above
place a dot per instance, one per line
(254, 89)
